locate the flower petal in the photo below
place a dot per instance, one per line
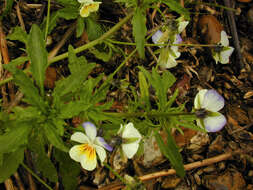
(85, 1)
(199, 98)
(79, 137)
(213, 124)
(129, 131)
(225, 54)
(213, 101)
(130, 149)
(101, 153)
(178, 39)
(157, 36)
(76, 153)
(182, 25)
(90, 130)
(101, 142)
(224, 39)
(89, 164)
(89, 159)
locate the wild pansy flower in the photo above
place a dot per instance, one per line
(169, 54)
(91, 146)
(88, 6)
(223, 51)
(130, 139)
(207, 103)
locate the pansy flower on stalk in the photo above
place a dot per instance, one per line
(222, 52)
(130, 139)
(207, 103)
(169, 54)
(88, 6)
(91, 146)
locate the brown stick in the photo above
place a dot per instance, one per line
(8, 184)
(20, 18)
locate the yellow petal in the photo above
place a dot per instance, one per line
(88, 8)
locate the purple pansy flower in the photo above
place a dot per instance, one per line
(91, 146)
(212, 102)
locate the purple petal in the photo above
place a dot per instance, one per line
(213, 101)
(101, 142)
(214, 124)
(156, 37)
(178, 39)
(90, 130)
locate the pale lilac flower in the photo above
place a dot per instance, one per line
(211, 102)
(130, 139)
(88, 6)
(222, 53)
(91, 146)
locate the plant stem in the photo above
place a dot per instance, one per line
(48, 17)
(37, 177)
(146, 114)
(134, 44)
(115, 173)
(94, 42)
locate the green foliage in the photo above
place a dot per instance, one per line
(18, 34)
(175, 6)
(79, 26)
(139, 30)
(93, 28)
(171, 152)
(38, 55)
(42, 161)
(7, 8)
(15, 137)
(69, 170)
(10, 163)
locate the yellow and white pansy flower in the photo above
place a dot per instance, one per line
(223, 51)
(207, 103)
(88, 6)
(91, 146)
(130, 139)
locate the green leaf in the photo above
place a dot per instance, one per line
(72, 109)
(41, 159)
(189, 125)
(79, 27)
(104, 56)
(11, 163)
(139, 30)
(15, 137)
(80, 71)
(93, 29)
(36, 50)
(18, 34)
(51, 133)
(175, 6)
(144, 88)
(27, 87)
(170, 151)
(69, 170)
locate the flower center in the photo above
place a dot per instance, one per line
(89, 151)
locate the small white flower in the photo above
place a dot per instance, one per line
(90, 145)
(212, 102)
(181, 24)
(130, 139)
(88, 6)
(222, 53)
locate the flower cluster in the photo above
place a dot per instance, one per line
(223, 51)
(93, 145)
(207, 103)
(169, 54)
(87, 7)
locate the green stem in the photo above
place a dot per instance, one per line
(48, 17)
(37, 177)
(94, 42)
(115, 173)
(134, 44)
(146, 114)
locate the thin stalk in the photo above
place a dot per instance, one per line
(48, 17)
(146, 114)
(134, 44)
(94, 42)
(116, 174)
(37, 177)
